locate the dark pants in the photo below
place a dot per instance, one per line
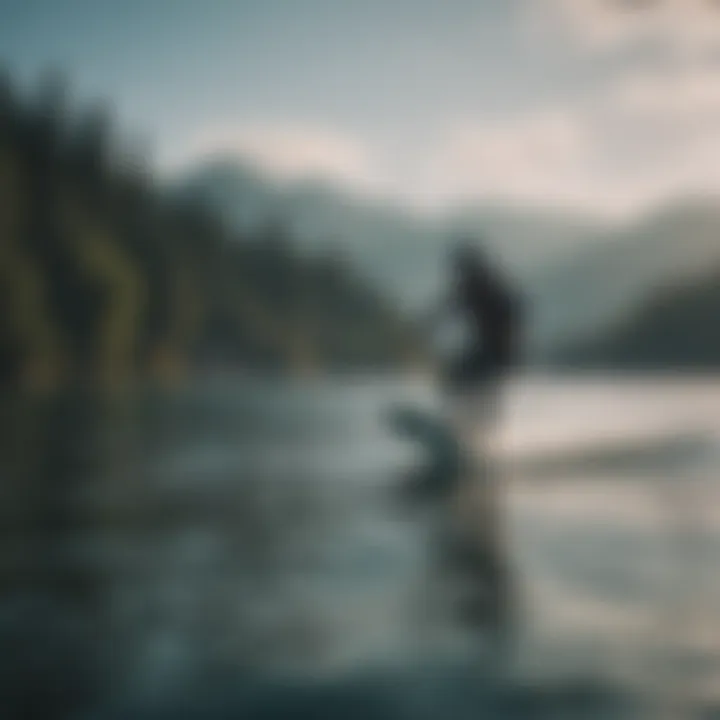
(475, 380)
(476, 368)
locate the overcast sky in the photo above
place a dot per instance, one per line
(607, 105)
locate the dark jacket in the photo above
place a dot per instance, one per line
(494, 315)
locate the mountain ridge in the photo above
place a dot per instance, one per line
(580, 275)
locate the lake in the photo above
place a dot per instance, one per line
(249, 528)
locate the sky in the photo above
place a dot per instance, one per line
(609, 106)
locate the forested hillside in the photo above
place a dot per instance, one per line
(677, 328)
(104, 279)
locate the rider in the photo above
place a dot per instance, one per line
(490, 310)
(491, 315)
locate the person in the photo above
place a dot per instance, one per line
(458, 487)
(491, 315)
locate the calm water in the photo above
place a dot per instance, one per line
(247, 527)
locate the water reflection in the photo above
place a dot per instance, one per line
(53, 597)
(155, 541)
(199, 548)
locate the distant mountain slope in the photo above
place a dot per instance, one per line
(105, 280)
(580, 276)
(404, 252)
(595, 288)
(677, 328)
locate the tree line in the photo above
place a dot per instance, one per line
(106, 278)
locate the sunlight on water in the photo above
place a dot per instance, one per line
(242, 528)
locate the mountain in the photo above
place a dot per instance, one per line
(594, 289)
(581, 276)
(105, 281)
(403, 252)
(675, 329)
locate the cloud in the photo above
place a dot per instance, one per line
(530, 158)
(646, 137)
(682, 27)
(287, 152)
(647, 133)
